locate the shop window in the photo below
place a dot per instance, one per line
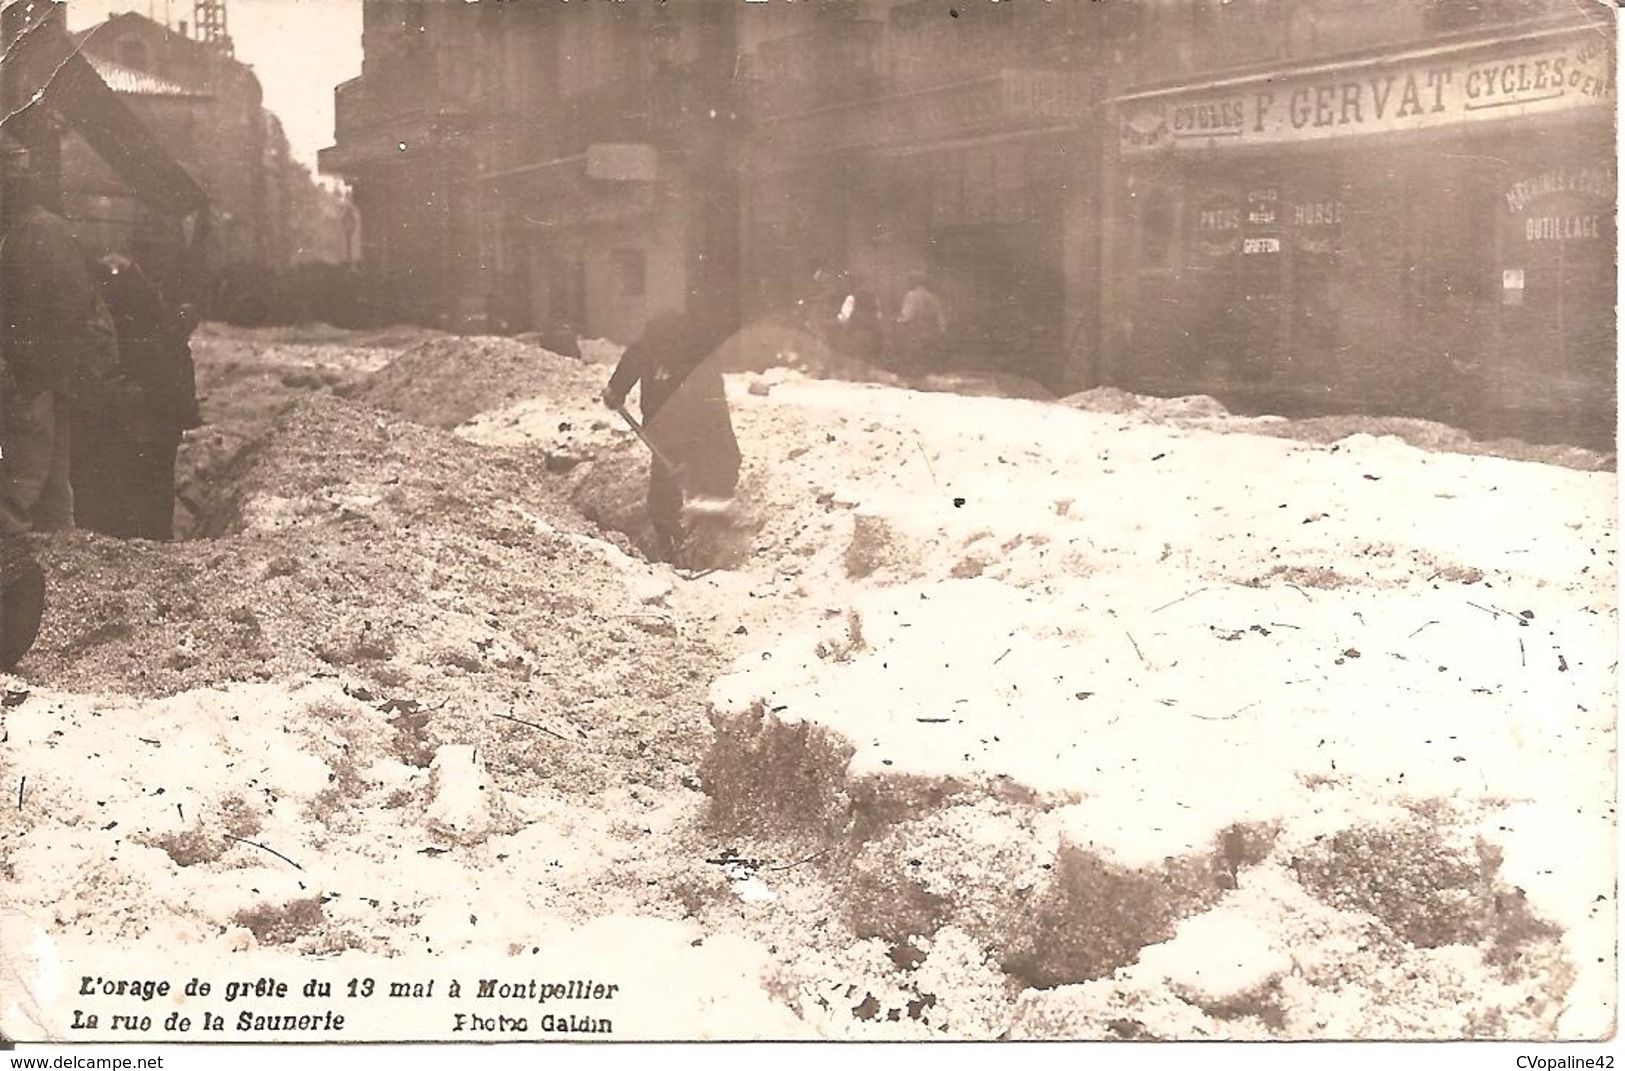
(1159, 228)
(1314, 216)
(631, 270)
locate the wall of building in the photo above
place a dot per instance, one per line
(525, 91)
(1075, 176)
(894, 137)
(231, 115)
(1336, 235)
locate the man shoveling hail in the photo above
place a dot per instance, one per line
(694, 469)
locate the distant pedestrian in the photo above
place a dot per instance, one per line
(123, 466)
(922, 326)
(821, 305)
(861, 334)
(685, 415)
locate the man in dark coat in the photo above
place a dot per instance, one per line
(22, 582)
(57, 354)
(685, 415)
(123, 463)
(60, 348)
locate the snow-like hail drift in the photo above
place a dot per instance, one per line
(1112, 718)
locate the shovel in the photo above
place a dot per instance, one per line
(693, 505)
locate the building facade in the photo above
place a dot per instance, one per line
(96, 159)
(543, 165)
(267, 213)
(108, 215)
(1343, 205)
(1302, 205)
(589, 164)
(213, 124)
(892, 137)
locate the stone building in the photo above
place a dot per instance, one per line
(1346, 205)
(587, 164)
(204, 107)
(1298, 205)
(962, 140)
(99, 163)
(213, 125)
(107, 214)
(523, 165)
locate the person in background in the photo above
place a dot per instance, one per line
(561, 336)
(819, 308)
(861, 335)
(123, 466)
(685, 417)
(922, 326)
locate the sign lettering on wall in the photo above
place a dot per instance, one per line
(1263, 221)
(1562, 204)
(1573, 71)
(1218, 226)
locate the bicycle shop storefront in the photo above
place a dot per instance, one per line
(1428, 234)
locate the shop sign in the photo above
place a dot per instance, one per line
(1317, 214)
(1263, 221)
(1218, 227)
(1262, 206)
(1562, 204)
(1316, 224)
(1417, 93)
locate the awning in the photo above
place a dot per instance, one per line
(43, 69)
